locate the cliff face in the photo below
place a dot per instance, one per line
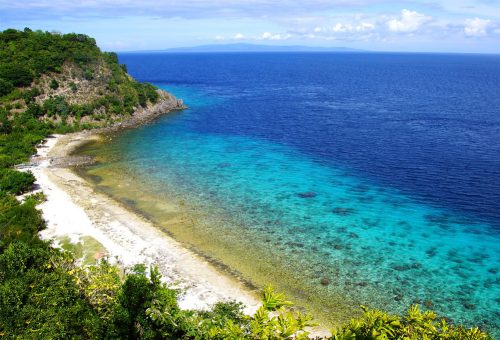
(66, 80)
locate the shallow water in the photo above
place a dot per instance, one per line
(341, 187)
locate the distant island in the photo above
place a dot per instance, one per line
(250, 48)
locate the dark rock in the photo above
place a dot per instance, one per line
(398, 297)
(295, 244)
(95, 178)
(404, 267)
(307, 194)
(416, 265)
(428, 303)
(469, 306)
(362, 284)
(493, 270)
(224, 165)
(342, 229)
(342, 211)
(129, 202)
(325, 281)
(400, 268)
(353, 235)
(431, 252)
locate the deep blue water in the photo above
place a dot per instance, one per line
(426, 124)
(380, 172)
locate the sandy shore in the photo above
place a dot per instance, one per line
(74, 210)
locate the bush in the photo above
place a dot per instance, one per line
(5, 124)
(30, 95)
(18, 75)
(15, 182)
(39, 298)
(54, 85)
(19, 221)
(375, 324)
(56, 106)
(6, 87)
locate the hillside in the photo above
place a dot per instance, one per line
(66, 79)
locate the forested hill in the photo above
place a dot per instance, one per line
(65, 79)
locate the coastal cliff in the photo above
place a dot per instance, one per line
(66, 83)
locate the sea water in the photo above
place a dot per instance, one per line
(342, 179)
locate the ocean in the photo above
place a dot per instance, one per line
(343, 179)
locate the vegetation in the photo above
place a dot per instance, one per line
(66, 78)
(51, 82)
(15, 182)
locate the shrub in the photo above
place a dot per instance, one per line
(376, 324)
(30, 95)
(19, 221)
(18, 75)
(6, 87)
(54, 85)
(15, 182)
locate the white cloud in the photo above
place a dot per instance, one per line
(408, 22)
(352, 28)
(365, 26)
(171, 8)
(476, 27)
(271, 36)
(239, 36)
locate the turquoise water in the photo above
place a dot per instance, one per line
(328, 229)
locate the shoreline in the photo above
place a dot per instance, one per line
(74, 210)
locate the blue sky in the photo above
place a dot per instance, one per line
(471, 26)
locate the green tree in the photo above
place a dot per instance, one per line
(6, 87)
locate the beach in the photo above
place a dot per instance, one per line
(74, 210)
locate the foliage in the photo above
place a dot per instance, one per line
(6, 87)
(54, 85)
(376, 324)
(100, 285)
(15, 182)
(272, 300)
(38, 298)
(19, 221)
(17, 74)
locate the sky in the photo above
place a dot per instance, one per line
(463, 26)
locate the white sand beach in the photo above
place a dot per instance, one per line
(73, 209)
